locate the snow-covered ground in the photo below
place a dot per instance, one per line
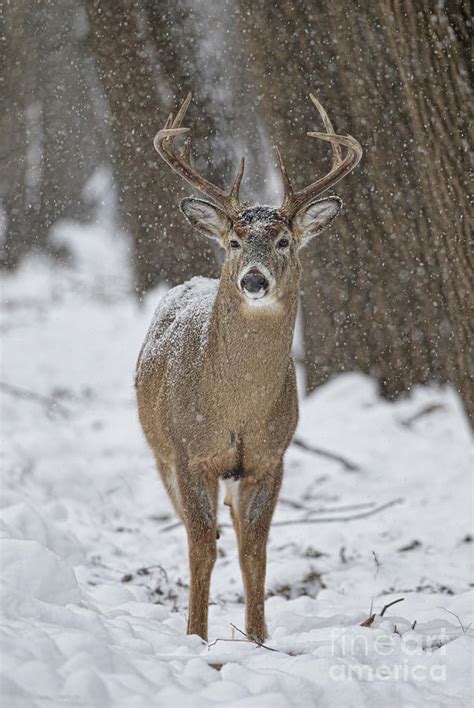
(94, 590)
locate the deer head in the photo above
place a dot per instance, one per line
(262, 243)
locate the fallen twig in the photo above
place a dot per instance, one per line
(225, 639)
(254, 641)
(306, 520)
(410, 546)
(372, 615)
(335, 519)
(53, 407)
(171, 527)
(347, 464)
(323, 509)
(247, 640)
(431, 408)
(371, 611)
(463, 628)
(389, 604)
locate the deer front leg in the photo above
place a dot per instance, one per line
(256, 503)
(199, 502)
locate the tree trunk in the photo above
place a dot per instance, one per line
(15, 155)
(172, 48)
(49, 137)
(432, 49)
(164, 249)
(375, 295)
(198, 49)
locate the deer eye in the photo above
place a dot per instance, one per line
(234, 244)
(282, 243)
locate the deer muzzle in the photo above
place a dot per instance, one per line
(254, 284)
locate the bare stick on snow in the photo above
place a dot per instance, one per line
(332, 519)
(347, 464)
(52, 406)
(225, 639)
(431, 408)
(324, 509)
(394, 602)
(253, 641)
(463, 628)
(372, 615)
(246, 640)
(377, 568)
(306, 520)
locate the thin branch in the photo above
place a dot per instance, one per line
(306, 520)
(347, 464)
(52, 406)
(247, 640)
(372, 615)
(377, 568)
(464, 629)
(223, 639)
(253, 641)
(295, 504)
(171, 527)
(431, 408)
(394, 602)
(323, 509)
(335, 519)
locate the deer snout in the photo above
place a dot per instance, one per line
(254, 282)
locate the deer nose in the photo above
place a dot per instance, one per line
(254, 281)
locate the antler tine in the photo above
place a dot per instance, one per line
(180, 163)
(346, 140)
(235, 188)
(183, 110)
(336, 150)
(287, 188)
(341, 166)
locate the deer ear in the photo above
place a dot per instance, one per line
(206, 217)
(312, 219)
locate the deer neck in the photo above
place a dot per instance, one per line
(253, 343)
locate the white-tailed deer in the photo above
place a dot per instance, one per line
(215, 377)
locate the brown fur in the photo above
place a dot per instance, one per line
(217, 398)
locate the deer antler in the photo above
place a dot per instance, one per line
(181, 163)
(341, 166)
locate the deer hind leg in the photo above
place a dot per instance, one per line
(170, 482)
(231, 500)
(198, 496)
(256, 503)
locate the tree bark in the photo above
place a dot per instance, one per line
(149, 56)
(164, 249)
(432, 50)
(48, 142)
(198, 49)
(378, 289)
(14, 144)
(72, 144)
